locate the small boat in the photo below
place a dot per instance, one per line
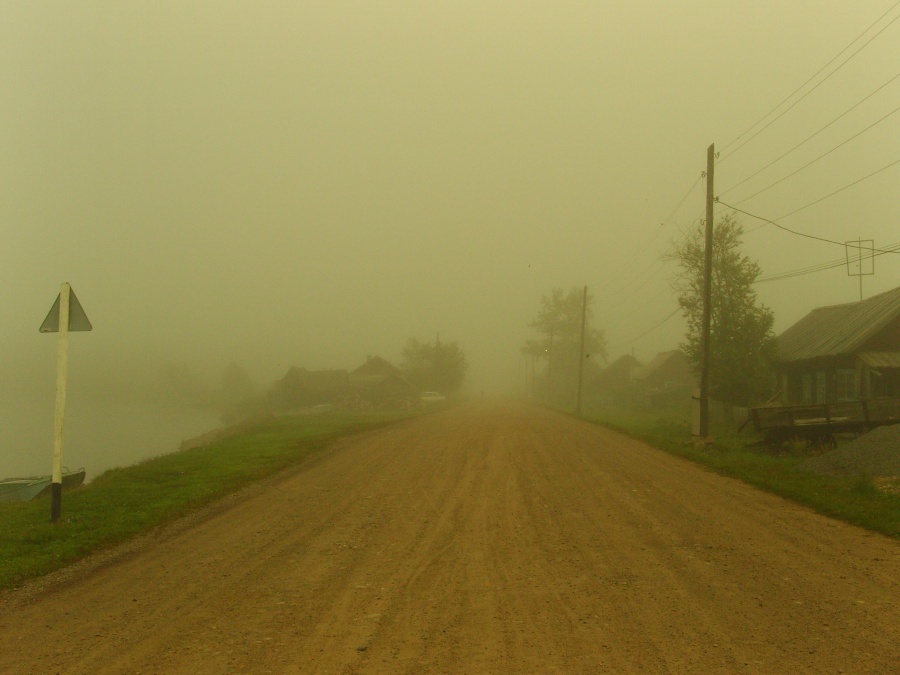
(32, 487)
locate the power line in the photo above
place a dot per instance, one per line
(816, 86)
(821, 267)
(799, 234)
(639, 280)
(824, 154)
(675, 210)
(645, 333)
(809, 138)
(831, 194)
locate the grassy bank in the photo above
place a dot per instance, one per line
(851, 498)
(124, 502)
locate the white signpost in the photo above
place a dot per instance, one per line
(65, 315)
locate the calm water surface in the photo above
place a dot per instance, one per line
(99, 435)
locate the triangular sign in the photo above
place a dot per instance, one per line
(77, 318)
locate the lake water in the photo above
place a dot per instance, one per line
(99, 435)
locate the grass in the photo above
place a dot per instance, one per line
(852, 498)
(124, 502)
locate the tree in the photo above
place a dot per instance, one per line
(236, 386)
(558, 324)
(440, 366)
(741, 338)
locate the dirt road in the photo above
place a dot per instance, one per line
(478, 540)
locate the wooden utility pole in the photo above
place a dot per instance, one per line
(581, 353)
(550, 366)
(707, 295)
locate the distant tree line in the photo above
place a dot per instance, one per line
(438, 366)
(558, 343)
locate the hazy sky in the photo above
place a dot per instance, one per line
(309, 182)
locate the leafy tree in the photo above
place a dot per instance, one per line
(440, 366)
(236, 386)
(741, 338)
(558, 324)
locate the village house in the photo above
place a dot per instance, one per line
(378, 380)
(616, 382)
(842, 353)
(301, 388)
(667, 378)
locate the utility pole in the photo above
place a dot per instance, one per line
(550, 366)
(707, 295)
(581, 354)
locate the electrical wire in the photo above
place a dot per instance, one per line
(645, 275)
(675, 210)
(816, 86)
(824, 154)
(809, 138)
(799, 234)
(831, 194)
(821, 267)
(645, 333)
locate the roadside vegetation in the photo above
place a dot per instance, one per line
(853, 498)
(125, 502)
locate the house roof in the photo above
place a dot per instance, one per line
(838, 329)
(624, 366)
(656, 363)
(375, 365)
(881, 359)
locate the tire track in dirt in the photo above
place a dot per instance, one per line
(490, 540)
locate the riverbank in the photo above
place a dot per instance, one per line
(124, 502)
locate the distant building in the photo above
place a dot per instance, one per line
(668, 377)
(378, 380)
(616, 382)
(842, 352)
(301, 388)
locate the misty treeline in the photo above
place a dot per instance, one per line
(438, 366)
(426, 366)
(179, 383)
(742, 342)
(558, 343)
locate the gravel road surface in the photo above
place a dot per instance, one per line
(494, 539)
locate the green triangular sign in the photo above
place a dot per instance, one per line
(77, 318)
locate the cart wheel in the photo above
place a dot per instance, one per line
(825, 442)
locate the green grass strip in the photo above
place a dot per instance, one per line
(852, 498)
(122, 503)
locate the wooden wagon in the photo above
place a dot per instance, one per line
(819, 423)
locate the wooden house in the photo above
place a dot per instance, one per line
(301, 387)
(667, 378)
(616, 382)
(842, 353)
(379, 380)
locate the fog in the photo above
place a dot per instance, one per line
(307, 183)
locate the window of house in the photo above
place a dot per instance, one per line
(820, 387)
(846, 385)
(807, 388)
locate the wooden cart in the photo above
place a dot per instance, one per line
(818, 423)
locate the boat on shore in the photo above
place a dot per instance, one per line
(32, 487)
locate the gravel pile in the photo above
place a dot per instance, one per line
(876, 453)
